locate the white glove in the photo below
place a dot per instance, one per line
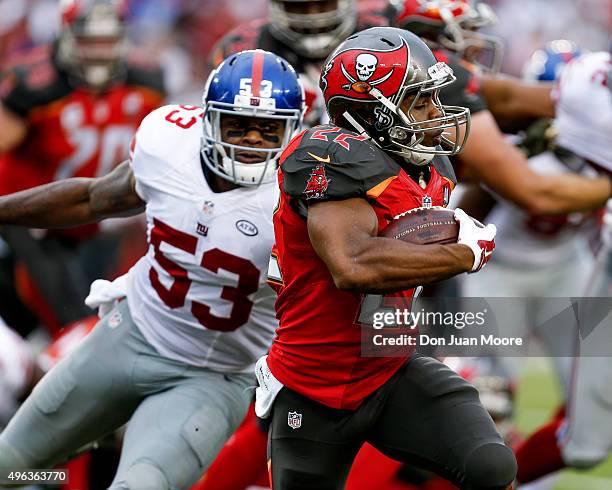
(104, 294)
(268, 388)
(480, 238)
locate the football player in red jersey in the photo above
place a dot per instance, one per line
(340, 185)
(70, 111)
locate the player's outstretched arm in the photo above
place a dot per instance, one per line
(489, 158)
(73, 202)
(343, 233)
(509, 97)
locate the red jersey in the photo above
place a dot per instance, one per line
(72, 132)
(317, 350)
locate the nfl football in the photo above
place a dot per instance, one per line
(423, 226)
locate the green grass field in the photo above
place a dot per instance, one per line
(537, 398)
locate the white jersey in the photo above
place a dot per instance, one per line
(199, 295)
(584, 108)
(16, 365)
(536, 241)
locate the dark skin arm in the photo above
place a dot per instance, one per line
(490, 159)
(343, 234)
(73, 202)
(509, 97)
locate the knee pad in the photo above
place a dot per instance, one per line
(142, 476)
(491, 466)
(10, 458)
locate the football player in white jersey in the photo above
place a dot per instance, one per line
(542, 256)
(176, 357)
(17, 371)
(583, 437)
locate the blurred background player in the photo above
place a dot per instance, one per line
(542, 256)
(21, 368)
(17, 373)
(305, 32)
(487, 157)
(583, 437)
(456, 26)
(545, 65)
(176, 356)
(69, 111)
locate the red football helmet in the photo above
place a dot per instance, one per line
(454, 24)
(92, 44)
(369, 76)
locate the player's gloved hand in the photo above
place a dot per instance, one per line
(478, 237)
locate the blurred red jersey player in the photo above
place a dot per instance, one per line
(69, 110)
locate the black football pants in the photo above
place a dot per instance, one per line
(426, 415)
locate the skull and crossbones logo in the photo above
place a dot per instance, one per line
(365, 66)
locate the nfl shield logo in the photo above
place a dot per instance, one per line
(427, 201)
(294, 420)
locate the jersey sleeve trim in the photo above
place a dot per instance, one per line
(452, 184)
(378, 189)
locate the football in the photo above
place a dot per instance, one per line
(424, 226)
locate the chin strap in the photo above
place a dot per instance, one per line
(417, 158)
(358, 127)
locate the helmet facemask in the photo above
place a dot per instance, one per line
(313, 35)
(222, 157)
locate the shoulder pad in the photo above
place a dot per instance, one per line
(328, 163)
(444, 167)
(166, 138)
(28, 86)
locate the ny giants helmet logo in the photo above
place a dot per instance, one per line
(317, 183)
(354, 73)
